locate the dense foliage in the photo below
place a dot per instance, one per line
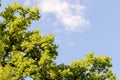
(26, 53)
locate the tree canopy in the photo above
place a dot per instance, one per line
(26, 53)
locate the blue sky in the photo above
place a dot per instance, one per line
(80, 26)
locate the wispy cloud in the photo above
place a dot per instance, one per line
(69, 44)
(70, 15)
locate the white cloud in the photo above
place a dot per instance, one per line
(70, 15)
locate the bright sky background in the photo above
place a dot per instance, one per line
(80, 26)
